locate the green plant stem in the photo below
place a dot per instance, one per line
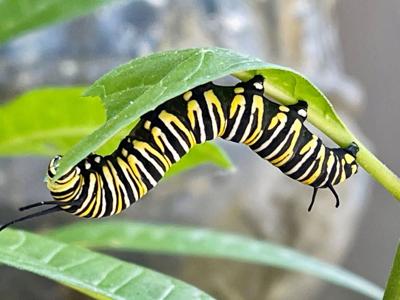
(343, 137)
(392, 291)
(379, 171)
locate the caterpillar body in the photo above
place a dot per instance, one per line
(103, 186)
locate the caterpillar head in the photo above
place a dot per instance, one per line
(64, 182)
(53, 166)
(53, 186)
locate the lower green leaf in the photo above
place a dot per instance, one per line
(392, 291)
(202, 242)
(201, 154)
(94, 274)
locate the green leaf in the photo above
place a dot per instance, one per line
(142, 84)
(49, 121)
(19, 16)
(392, 291)
(201, 154)
(94, 274)
(202, 242)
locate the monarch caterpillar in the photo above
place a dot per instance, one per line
(103, 186)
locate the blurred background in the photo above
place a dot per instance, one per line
(347, 48)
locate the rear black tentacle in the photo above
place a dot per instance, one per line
(31, 216)
(335, 194)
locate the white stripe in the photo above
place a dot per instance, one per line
(306, 173)
(281, 145)
(79, 193)
(337, 169)
(271, 138)
(247, 130)
(175, 154)
(111, 185)
(213, 120)
(104, 202)
(118, 184)
(236, 124)
(126, 197)
(89, 195)
(329, 168)
(152, 161)
(121, 185)
(199, 114)
(302, 161)
(147, 174)
(131, 183)
(177, 136)
(103, 199)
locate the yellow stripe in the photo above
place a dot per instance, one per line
(187, 95)
(58, 187)
(170, 118)
(309, 145)
(238, 100)
(147, 125)
(285, 157)
(283, 108)
(110, 183)
(258, 104)
(337, 171)
(88, 209)
(348, 158)
(135, 171)
(156, 132)
(71, 195)
(331, 161)
(213, 100)
(192, 107)
(68, 178)
(98, 196)
(92, 180)
(279, 117)
(118, 183)
(342, 171)
(321, 156)
(145, 146)
(125, 166)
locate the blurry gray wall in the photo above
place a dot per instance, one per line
(370, 35)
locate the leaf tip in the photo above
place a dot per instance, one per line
(95, 90)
